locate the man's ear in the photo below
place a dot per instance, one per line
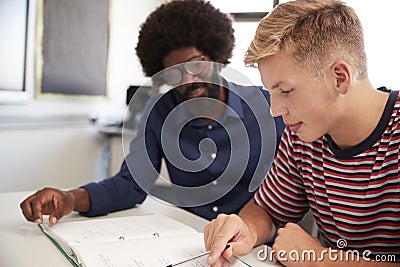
(342, 75)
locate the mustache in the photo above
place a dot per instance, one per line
(211, 88)
(194, 86)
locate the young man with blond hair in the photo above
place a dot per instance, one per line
(339, 154)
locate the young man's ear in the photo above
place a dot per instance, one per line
(343, 76)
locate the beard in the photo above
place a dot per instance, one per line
(211, 90)
(206, 103)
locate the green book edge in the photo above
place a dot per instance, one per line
(70, 259)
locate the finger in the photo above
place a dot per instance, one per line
(216, 240)
(216, 253)
(57, 214)
(206, 236)
(219, 227)
(228, 252)
(225, 262)
(27, 209)
(217, 263)
(37, 211)
(53, 219)
(293, 226)
(209, 231)
(221, 261)
(225, 231)
(61, 206)
(280, 231)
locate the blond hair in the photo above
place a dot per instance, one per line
(314, 33)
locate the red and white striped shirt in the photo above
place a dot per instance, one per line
(354, 194)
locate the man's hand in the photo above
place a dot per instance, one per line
(293, 238)
(242, 232)
(54, 202)
(227, 229)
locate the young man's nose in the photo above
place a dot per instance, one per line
(277, 108)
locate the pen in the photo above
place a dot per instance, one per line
(194, 257)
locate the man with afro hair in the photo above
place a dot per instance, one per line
(215, 149)
(184, 24)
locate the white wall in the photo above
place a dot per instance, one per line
(63, 156)
(380, 20)
(244, 33)
(124, 66)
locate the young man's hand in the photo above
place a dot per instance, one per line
(293, 239)
(231, 230)
(242, 232)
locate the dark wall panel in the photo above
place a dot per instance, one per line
(75, 47)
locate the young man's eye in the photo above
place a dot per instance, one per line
(286, 91)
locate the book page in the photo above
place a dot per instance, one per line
(115, 229)
(150, 252)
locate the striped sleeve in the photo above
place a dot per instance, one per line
(282, 192)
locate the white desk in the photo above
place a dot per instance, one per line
(22, 243)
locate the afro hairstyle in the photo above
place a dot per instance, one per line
(184, 23)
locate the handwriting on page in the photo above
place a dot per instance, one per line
(105, 261)
(160, 262)
(146, 252)
(121, 229)
(125, 229)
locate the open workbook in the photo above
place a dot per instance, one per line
(144, 240)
